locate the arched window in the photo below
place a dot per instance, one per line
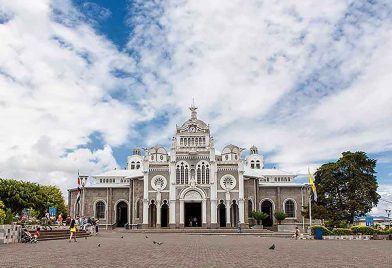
(138, 209)
(137, 165)
(100, 210)
(207, 175)
(252, 164)
(289, 208)
(250, 208)
(132, 165)
(198, 174)
(258, 164)
(203, 173)
(182, 173)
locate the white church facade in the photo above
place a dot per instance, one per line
(191, 185)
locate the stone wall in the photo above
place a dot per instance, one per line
(10, 233)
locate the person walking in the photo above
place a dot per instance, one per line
(297, 233)
(72, 229)
(60, 219)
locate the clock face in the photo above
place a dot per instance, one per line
(192, 129)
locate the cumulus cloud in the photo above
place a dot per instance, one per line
(58, 89)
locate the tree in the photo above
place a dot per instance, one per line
(259, 216)
(18, 195)
(280, 216)
(2, 212)
(346, 188)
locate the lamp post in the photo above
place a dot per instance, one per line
(83, 181)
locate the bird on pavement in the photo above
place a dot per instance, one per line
(122, 236)
(154, 242)
(159, 243)
(99, 245)
(146, 236)
(272, 247)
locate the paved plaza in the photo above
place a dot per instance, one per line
(191, 250)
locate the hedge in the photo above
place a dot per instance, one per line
(353, 230)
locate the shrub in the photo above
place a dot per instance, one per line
(8, 216)
(2, 212)
(363, 230)
(325, 230)
(342, 231)
(280, 216)
(259, 216)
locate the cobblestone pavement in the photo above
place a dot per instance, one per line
(186, 250)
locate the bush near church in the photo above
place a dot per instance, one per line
(355, 230)
(280, 216)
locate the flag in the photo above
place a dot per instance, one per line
(78, 195)
(313, 186)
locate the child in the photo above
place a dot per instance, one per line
(72, 229)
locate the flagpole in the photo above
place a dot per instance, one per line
(310, 211)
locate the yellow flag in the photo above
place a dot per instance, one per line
(313, 186)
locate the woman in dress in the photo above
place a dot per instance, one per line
(72, 229)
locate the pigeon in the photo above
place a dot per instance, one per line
(146, 236)
(272, 247)
(154, 242)
(99, 245)
(122, 237)
(159, 243)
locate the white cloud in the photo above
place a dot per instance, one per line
(56, 88)
(385, 191)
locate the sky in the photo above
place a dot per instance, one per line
(84, 82)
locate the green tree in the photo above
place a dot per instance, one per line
(2, 212)
(346, 188)
(18, 195)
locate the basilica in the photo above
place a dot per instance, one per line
(190, 185)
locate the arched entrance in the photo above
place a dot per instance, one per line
(121, 214)
(234, 214)
(266, 207)
(152, 214)
(222, 214)
(165, 214)
(193, 202)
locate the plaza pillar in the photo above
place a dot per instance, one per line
(145, 212)
(158, 223)
(241, 210)
(228, 215)
(213, 212)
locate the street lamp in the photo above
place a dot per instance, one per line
(83, 181)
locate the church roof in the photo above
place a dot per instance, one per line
(121, 173)
(258, 173)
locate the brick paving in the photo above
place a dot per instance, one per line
(190, 250)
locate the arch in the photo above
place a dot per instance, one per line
(234, 214)
(186, 190)
(98, 213)
(250, 207)
(152, 214)
(258, 164)
(290, 208)
(164, 214)
(121, 212)
(221, 213)
(252, 164)
(203, 172)
(138, 165)
(268, 206)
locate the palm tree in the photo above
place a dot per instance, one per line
(259, 216)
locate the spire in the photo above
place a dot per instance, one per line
(193, 109)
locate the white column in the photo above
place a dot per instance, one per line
(172, 189)
(158, 204)
(204, 211)
(145, 211)
(213, 211)
(181, 211)
(241, 192)
(228, 208)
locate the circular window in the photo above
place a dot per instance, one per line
(228, 182)
(158, 183)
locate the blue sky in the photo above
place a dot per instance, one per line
(83, 82)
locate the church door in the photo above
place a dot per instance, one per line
(222, 214)
(234, 214)
(152, 214)
(266, 207)
(122, 214)
(165, 215)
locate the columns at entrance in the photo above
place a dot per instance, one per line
(145, 212)
(182, 212)
(204, 212)
(158, 204)
(228, 209)
(214, 219)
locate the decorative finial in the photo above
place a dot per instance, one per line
(193, 109)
